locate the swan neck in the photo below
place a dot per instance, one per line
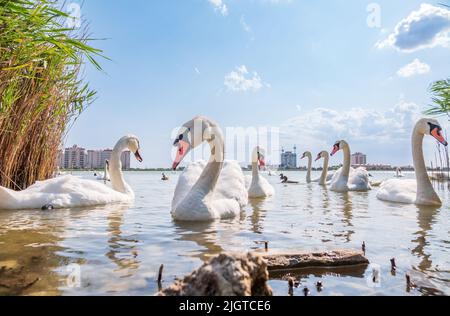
(115, 169)
(210, 175)
(308, 174)
(347, 162)
(255, 170)
(323, 177)
(425, 190)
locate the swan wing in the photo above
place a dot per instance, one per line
(359, 180)
(231, 183)
(399, 191)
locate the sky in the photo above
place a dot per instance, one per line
(319, 71)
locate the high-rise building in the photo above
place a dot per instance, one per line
(289, 159)
(60, 159)
(126, 161)
(74, 158)
(359, 159)
(96, 159)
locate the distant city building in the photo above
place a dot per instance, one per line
(74, 158)
(289, 159)
(96, 159)
(359, 159)
(60, 159)
(77, 158)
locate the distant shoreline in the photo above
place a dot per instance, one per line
(393, 169)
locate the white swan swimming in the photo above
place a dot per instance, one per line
(325, 176)
(105, 175)
(207, 191)
(258, 186)
(348, 178)
(398, 173)
(69, 191)
(419, 191)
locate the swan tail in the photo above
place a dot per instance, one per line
(7, 199)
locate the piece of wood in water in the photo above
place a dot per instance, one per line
(335, 258)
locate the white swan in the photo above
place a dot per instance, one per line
(207, 191)
(348, 178)
(258, 186)
(398, 173)
(69, 191)
(105, 175)
(325, 176)
(419, 191)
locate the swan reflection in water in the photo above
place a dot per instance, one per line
(123, 250)
(426, 218)
(258, 215)
(204, 234)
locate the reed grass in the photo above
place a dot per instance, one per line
(41, 92)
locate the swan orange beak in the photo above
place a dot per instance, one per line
(318, 157)
(183, 149)
(138, 156)
(436, 133)
(262, 162)
(335, 150)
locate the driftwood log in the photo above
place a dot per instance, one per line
(335, 258)
(247, 274)
(225, 275)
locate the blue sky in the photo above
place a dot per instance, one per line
(315, 69)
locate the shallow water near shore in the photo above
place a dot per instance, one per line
(118, 249)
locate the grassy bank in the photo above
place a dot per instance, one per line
(40, 88)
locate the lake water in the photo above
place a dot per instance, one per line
(117, 250)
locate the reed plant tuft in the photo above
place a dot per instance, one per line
(41, 91)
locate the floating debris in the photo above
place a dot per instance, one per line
(335, 258)
(393, 266)
(161, 269)
(47, 207)
(319, 286)
(306, 291)
(409, 284)
(263, 242)
(291, 286)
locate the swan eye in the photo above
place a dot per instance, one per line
(433, 127)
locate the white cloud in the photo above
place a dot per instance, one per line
(241, 80)
(219, 6)
(425, 28)
(415, 68)
(365, 129)
(197, 71)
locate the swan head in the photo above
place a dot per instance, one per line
(322, 154)
(431, 127)
(306, 154)
(192, 134)
(259, 156)
(132, 143)
(339, 145)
